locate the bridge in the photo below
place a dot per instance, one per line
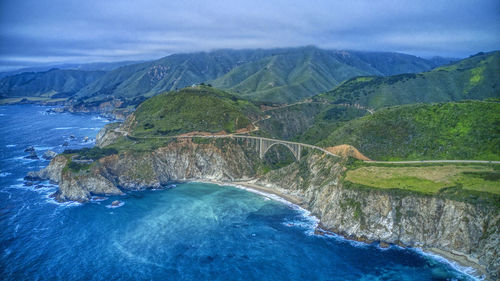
(262, 145)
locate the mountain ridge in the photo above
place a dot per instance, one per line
(180, 70)
(476, 77)
(51, 83)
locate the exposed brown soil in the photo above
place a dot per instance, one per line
(346, 150)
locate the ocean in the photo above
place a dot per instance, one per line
(189, 231)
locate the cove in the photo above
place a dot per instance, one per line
(193, 231)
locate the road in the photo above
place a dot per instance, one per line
(313, 147)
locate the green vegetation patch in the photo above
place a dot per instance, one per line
(201, 108)
(476, 77)
(93, 153)
(465, 130)
(77, 167)
(428, 179)
(138, 144)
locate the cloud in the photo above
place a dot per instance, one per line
(95, 30)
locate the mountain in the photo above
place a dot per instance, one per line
(139, 81)
(440, 61)
(477, 77)
(199, 108)
(273, 75)
(463, 130)
(49, 84)
(93, 66)
(293, 74)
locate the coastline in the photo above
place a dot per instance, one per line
(460, 262)
(465, 264)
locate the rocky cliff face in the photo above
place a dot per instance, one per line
(108, 135)
(53, 172)
(364, 214)
(464, 229)
(178, 161)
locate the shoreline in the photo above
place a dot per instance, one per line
(459, 262)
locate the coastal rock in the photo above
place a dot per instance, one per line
(80, 188)
(65, 143)
(32, 155)
(108, 135)
(29, 149)
(364, 214)
(52, 172)
(384, 245)
(49, 155)
(116, 203)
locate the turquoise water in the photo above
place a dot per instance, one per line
(194, 231)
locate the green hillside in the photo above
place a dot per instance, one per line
(137, 81)
(290, 75)
(464, 130)
(53, 83)
(477, 77)
(307, 122)
(276, 75)
(327, 121)
(200, 108)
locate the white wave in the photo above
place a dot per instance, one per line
(11, 145)
(64, 128)
(90, 141)
(17, 186)
(42, 147)
(310, 222)
(91, 128)
(21, 158)
(469, 271)
(51, 200)
(4, 174)
(100, 118)
(7, 192)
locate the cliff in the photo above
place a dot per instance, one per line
(365, 214)
(407, 219)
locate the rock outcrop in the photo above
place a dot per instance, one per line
(81, 187)
(52, 172)
(108, 135)
(364, 214)
(49, 155)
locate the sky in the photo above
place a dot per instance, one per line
(34, 32)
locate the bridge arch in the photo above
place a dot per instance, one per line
(265, 145)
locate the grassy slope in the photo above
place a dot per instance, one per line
(473, 183)
(327, 121)
(192, 109)
(429, 179)
(52, 83)
(294, 74)
(477, 77)
(289, 121)
(465, 130)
